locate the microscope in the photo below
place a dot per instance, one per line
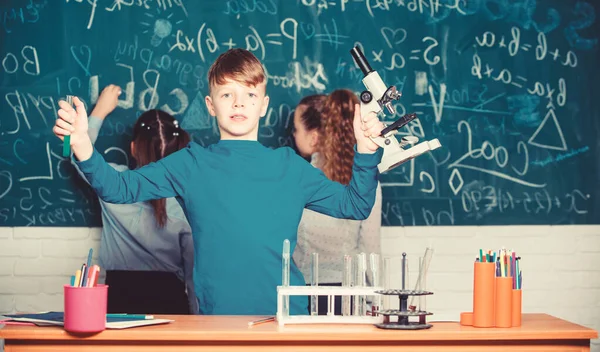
(374, 99)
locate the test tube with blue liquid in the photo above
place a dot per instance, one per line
(66, 152)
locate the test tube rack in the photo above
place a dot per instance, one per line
(284, 292)
(403, 313)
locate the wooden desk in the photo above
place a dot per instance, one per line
(540, 332)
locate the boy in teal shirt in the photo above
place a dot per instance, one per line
(241, 199)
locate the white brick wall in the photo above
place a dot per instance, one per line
(561, 266)
(35, 263)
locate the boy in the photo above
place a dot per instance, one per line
(241, 199)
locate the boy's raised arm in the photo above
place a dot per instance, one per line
(354, 201)
(74, 122)
(107, 102)
(162, 179)
(94, 128)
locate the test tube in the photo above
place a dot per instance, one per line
(421, 283)
(330, 306)
(418, 286)
(67, 139)
(387, 281)
(374, 261)
(314, 282)
(403, 320)
(285, 280)
(347, 282)
(361, 281)
(404, 271)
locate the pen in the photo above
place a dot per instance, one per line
(260, 321)
(81, 282)
(130, 316)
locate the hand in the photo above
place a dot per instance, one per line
(107, 102)
(365, 127)
(74, 122)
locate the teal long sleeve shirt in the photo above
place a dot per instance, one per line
(242, 201)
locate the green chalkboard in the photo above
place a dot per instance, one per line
(507, 86)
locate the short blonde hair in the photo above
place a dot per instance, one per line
(239, 65)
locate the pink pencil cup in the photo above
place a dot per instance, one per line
(85, 308)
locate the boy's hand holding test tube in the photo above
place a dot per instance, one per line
(73, 122)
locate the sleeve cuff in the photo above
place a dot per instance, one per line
(89, 163)
(367, 160)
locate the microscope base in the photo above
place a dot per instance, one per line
(393, 155)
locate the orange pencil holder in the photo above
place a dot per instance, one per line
(483, 294)
(466, 318)
(517, 296)
(503, 302)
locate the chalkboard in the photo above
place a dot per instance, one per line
(509, 87)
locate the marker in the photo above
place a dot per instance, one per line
(92, 276)
(81, 282)
(520, 280)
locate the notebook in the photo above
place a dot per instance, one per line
(57, 319)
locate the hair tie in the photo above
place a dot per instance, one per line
(176, 123)
(176, 134)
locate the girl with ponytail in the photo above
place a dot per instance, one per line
(156, 135)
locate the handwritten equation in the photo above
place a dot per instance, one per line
(508, 95)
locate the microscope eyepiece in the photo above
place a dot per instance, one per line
(361, 61)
